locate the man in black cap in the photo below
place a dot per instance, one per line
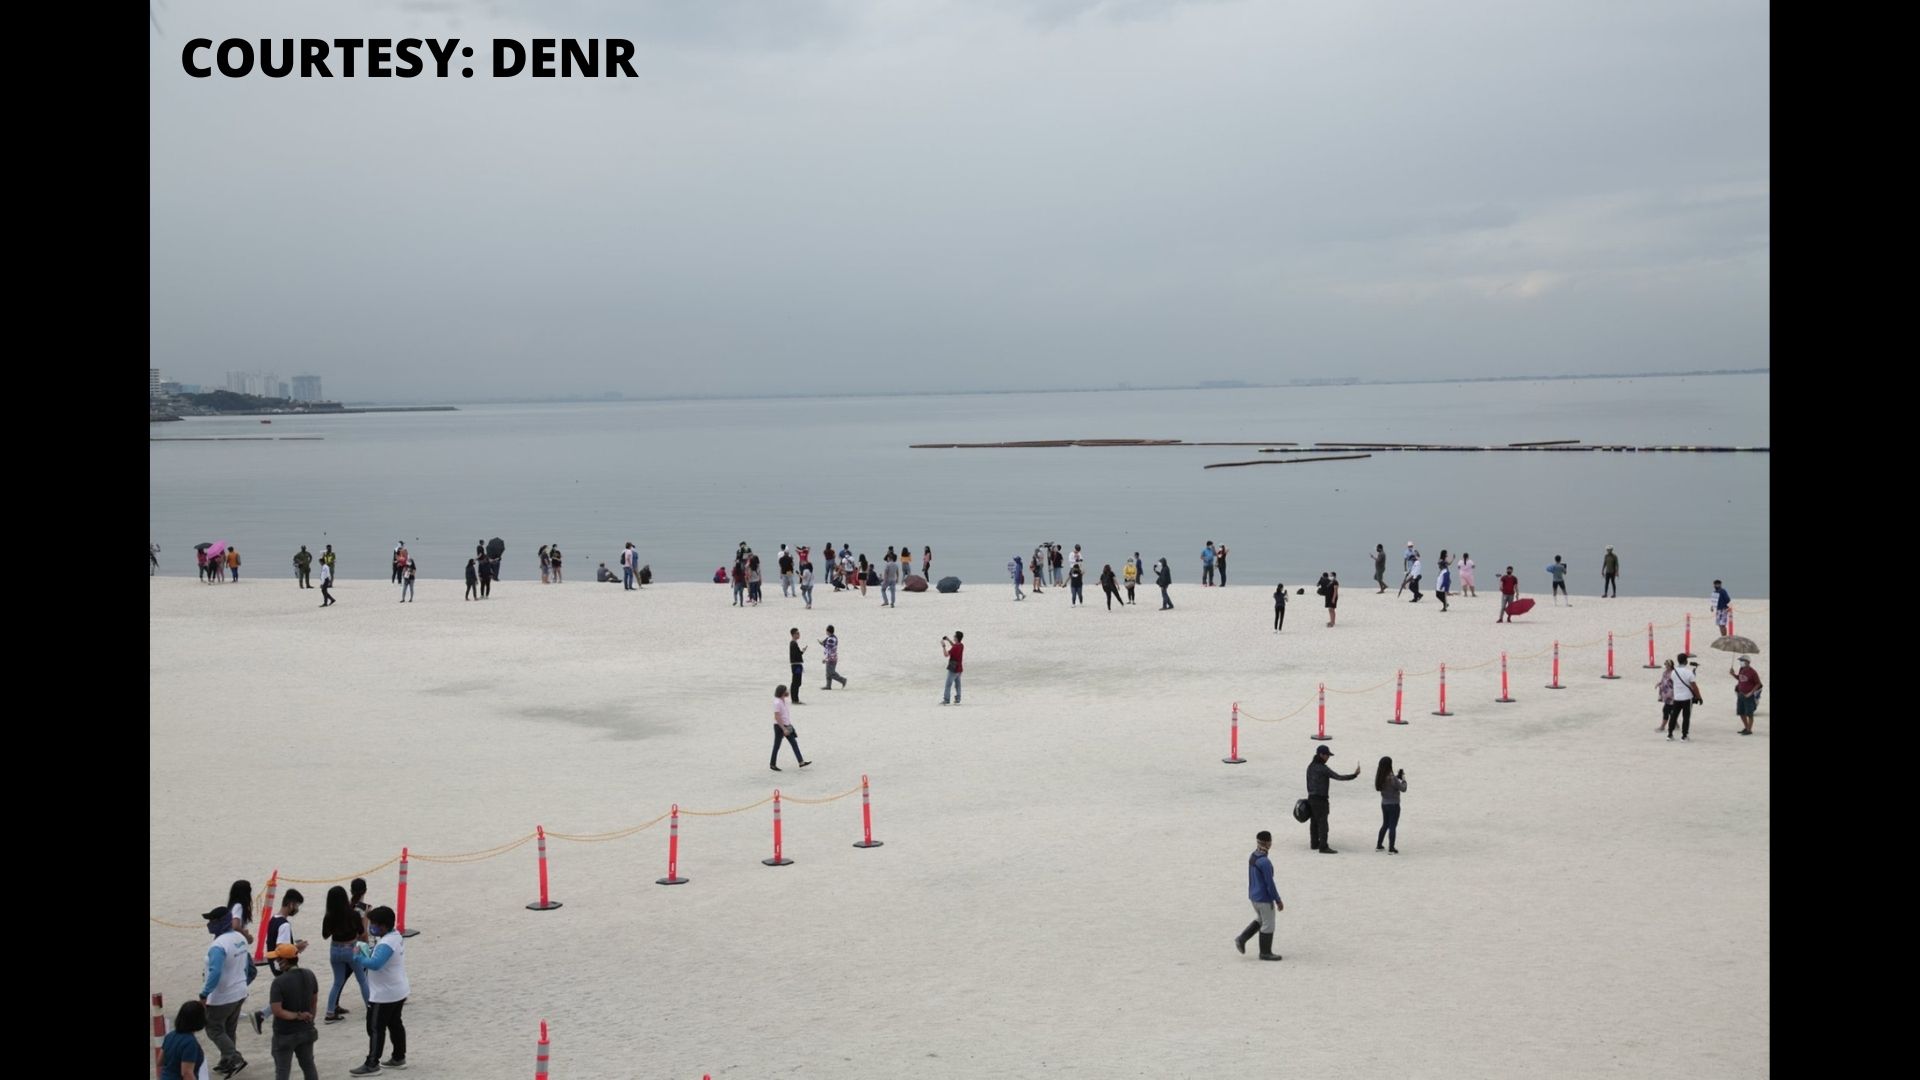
(1265, 897)
(1317, 776)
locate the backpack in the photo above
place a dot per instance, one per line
(1302, 811)
(273, 933)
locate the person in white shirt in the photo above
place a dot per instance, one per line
(783, 729)
(387, 990)
(225, 989)
(280, 932)
(1686, 691)
(1413, 578)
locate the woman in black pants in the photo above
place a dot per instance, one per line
(1389, 784)
(1110, 586)
(1279, 606)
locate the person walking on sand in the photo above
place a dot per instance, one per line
(489, 569)
(926, 564)
(1318, 773)
(1406, 567)
(786, 571)
(473, 580)
(1131, 571)
(1746, 693)
(326, 583)
(327, 558)
(1206, 565)
(1380, 566)
(1558, 571)
(1686, 691)
(387, 992)
(302, 563)
(1279, 606)
(233, 565)
(830, 652)
(739, 579)
(1265, 897)
(1109, 586)
(1220, 563)
(294, 997)
(343, 927)
(1333, 597)
(783, 729)
(1664, 688)
(1610, 574)
(1413, 578)
(1444, 584)
(1163, 577)
(225, 990)
(806, 584)
(1076, 581)
(890, 582)
(1389, 784)
(1509, 588)
(1018, 573)
(797, 660)
(280, 932)
(753, 580)
(955, 652)
(1466, 575)
(1722, 605)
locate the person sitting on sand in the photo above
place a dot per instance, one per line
(607, 575)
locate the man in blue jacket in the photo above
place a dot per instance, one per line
(1265, 897)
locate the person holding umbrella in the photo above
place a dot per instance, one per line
(200, 557)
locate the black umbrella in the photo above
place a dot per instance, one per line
(496, 547)
(203, 547)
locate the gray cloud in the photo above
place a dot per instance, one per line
(962, 196)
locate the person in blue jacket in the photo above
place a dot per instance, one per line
(1265, 897)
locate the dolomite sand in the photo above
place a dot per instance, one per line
(1064, 859)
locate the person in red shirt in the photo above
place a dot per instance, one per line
(1509, 588)
(1746, 693)
(954, 652)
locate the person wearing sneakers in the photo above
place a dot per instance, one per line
(831, 646)
(280, 932)
(783, 729)
(294, 998)
(1265, 897)
(1318, 773)
(387, 990)
(955, 654)
(225, 990)
(1746, 693)
(1686, 691)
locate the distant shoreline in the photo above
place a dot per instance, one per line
(1298, 384)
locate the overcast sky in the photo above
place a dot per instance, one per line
(882, 195)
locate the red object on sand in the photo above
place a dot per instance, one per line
(266, 919)
(1520, 607)
(1555, 684)
(1399, 688)
(866, 816)
(1505, 698)
(1233, 746)
(159, 1033)
(673, 850)
(545, 903)
(540, 1054)
(778, 859)
(1443, 692)
(1651, 665)
(1321, 734)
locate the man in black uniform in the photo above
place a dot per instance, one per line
(1317, 776)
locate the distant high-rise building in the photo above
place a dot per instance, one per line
(306, 388)
(285, 393)
(153, 383)
(254, 384)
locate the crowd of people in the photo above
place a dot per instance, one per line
(364, 945)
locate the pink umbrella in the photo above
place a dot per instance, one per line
(219, 548)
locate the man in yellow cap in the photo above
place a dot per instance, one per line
(293, 998)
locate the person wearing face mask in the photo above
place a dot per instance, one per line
(387, 990)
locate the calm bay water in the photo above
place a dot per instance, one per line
(686, 481)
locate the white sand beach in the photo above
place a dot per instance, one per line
(1064, 861)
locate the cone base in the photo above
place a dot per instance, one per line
(1555, 686)
(776, 862)
(1609, 676)
(1233, 761)
(1400, 722)
(549, 906)
(1321, 738)
(670, 881)
(867, 843)
(1504, 700)
(1445, 712)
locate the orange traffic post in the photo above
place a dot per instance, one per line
(1399, 688)
(545, 903)
(778, 858)
(1652, 664)
(1555, 684)
(1233, 745)
(1505, 697)
(1321, 735)
(266, 919)
(1609, 674)
(159, 1033)
(866, 817)
(541, 1052)
(400, 910)
(1442, 710)
(673, 851)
